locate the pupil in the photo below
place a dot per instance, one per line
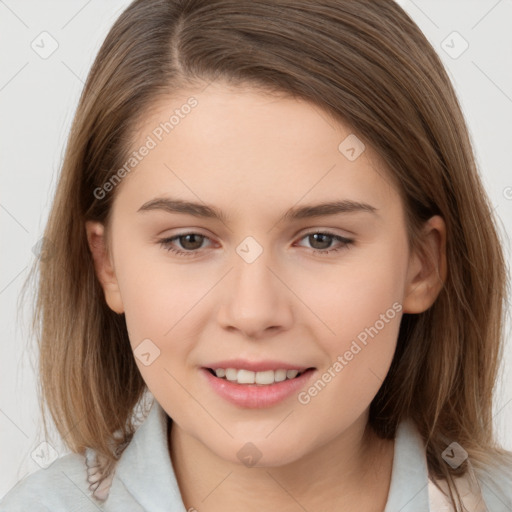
(195, 245)
(316, 236)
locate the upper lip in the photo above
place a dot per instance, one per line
(255, 366)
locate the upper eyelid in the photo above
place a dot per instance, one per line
(304, 231)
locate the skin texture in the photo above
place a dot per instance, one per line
(253, 156)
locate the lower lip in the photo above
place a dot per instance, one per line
(254, 396)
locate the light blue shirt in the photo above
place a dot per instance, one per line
(144, 479)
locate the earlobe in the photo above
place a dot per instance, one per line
(103, 265)
(427, 270)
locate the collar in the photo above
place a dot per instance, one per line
(408, 491)
(144, 474)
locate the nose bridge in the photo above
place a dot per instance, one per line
(251, 271)
(255, 299)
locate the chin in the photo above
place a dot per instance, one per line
(259, 453)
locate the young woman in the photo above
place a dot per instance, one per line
(270, 239)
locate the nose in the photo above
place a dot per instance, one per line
(256, 300)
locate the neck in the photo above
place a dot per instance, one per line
(351, 472)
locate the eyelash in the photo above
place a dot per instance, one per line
(346, 242)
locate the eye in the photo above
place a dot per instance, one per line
(192, 242)
(189, 241)
(324, 239)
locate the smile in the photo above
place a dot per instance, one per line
(263, 378)
(256, 390)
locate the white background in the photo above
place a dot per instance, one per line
(38, 98)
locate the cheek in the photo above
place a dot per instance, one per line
(360, 311)
(159, 303)
(358, 360)
(353, 295)
(157, 295)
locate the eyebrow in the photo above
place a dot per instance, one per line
(203, 210)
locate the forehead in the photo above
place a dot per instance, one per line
(240, 146)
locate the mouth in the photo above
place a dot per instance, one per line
(256, 390)
(260, 378)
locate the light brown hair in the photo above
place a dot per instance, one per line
(366, 63)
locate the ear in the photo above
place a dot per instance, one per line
(103, 265)
(427, 268)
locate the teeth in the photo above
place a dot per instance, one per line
(290, 374)
(245, 377)
(231, 374)
(280, 375)
(263, 378)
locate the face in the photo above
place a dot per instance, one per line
(266, 285)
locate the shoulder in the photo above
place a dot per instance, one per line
(496, 483)
(481, 489)
(62, 486)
